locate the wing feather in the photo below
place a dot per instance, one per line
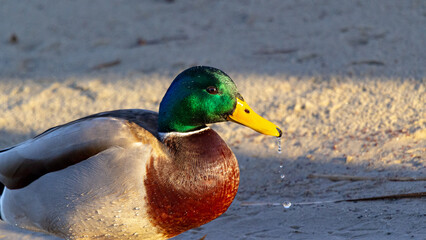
(65, 145)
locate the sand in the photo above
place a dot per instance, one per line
(346, 81)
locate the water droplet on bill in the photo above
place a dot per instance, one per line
(279, 145)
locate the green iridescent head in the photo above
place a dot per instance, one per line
(198, 96)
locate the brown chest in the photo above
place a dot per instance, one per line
(195, 186)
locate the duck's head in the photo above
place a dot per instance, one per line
(202, 95)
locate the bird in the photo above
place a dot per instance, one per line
(132, 173)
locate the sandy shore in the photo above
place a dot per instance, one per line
(345, 80)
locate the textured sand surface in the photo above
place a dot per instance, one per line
(346, 81)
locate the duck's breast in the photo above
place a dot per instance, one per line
(197, 186)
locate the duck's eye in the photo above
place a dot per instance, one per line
(211, 90)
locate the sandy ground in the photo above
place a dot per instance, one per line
(346, 81)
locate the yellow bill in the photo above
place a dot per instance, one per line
(247, 117)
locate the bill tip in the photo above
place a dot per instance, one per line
(280, 133)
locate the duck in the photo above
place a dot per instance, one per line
(132, 173)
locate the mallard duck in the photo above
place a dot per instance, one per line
(132, 174)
